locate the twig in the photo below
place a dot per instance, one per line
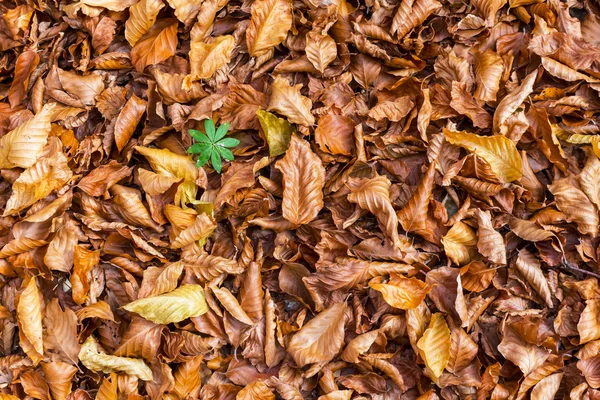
(583, 271)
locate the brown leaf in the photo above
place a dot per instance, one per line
(29, 314)
(289, 102)
(59, 377)
(576, 206)
(321, 338)
(128, 119)
(489, 242)
(303, 179)
(321, 50)
(141, 339)
(61, 332)
(335, 134)
(269, 24)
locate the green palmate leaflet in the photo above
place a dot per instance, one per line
(212, 145)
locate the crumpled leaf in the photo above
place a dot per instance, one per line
(402, 293)
(206, 59)
(287, 101)
(184, 302)
(94, 360)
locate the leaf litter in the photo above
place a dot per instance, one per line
(401, 199)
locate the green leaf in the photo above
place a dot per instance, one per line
(225, 153)
(278, 132)
(199, 136)
(199, 148)
(228, 142)
(203, 158)
(215, 160)
(209, 126)
(222, 131)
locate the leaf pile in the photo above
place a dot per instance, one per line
(409, 210)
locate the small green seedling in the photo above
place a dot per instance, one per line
(212, 145)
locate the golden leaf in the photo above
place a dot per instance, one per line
(547, 387)
(256, 390)
(37, 182)
(277, 131)
(576, 206)
(156, 184)
(59, 377)
(499, 152)
(488, 72)
(142, 16)
(187, 379)
(29, 315)
(303, 179)
(287, 101)
(321, 338)
(476, 276)
(460, 244)
(158, 44)
(269, 25)
(128, 119)
(462, 350)
(100, 309)
(359, 345)
(92, 359)
(392, 110)
(412, 13)
(22, 146)
(164, 162)
(589, 179)
(84, 88)
(490, 242)
(83, 262)
(513, 100)
(589, 322)
(60, 253)
(182, 303)
(373, 195)
(206, 59)
(321, 50)
(108, 388)
(434, 345)
(200, 230)
(403, 293)
(185, 10)
(128, 204)
(231, 304)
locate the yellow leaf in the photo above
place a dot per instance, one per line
(277, 131)
(142, 16)
(256, 390)
(403, 293)
(182, 303)
(460, 244)
(92, 359)
(434, 345)
(158, 44)
(269, 24)
(185, 10)
(37, 182)
(321, 50)
(287, 100)
(206, 59)
(499, 151)
(303, 179)
(321, 338)
(22, 146)
(29, 315)
(169, 164)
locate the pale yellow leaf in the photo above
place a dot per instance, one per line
(94, 360)
(434, 345)
(182, 303)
